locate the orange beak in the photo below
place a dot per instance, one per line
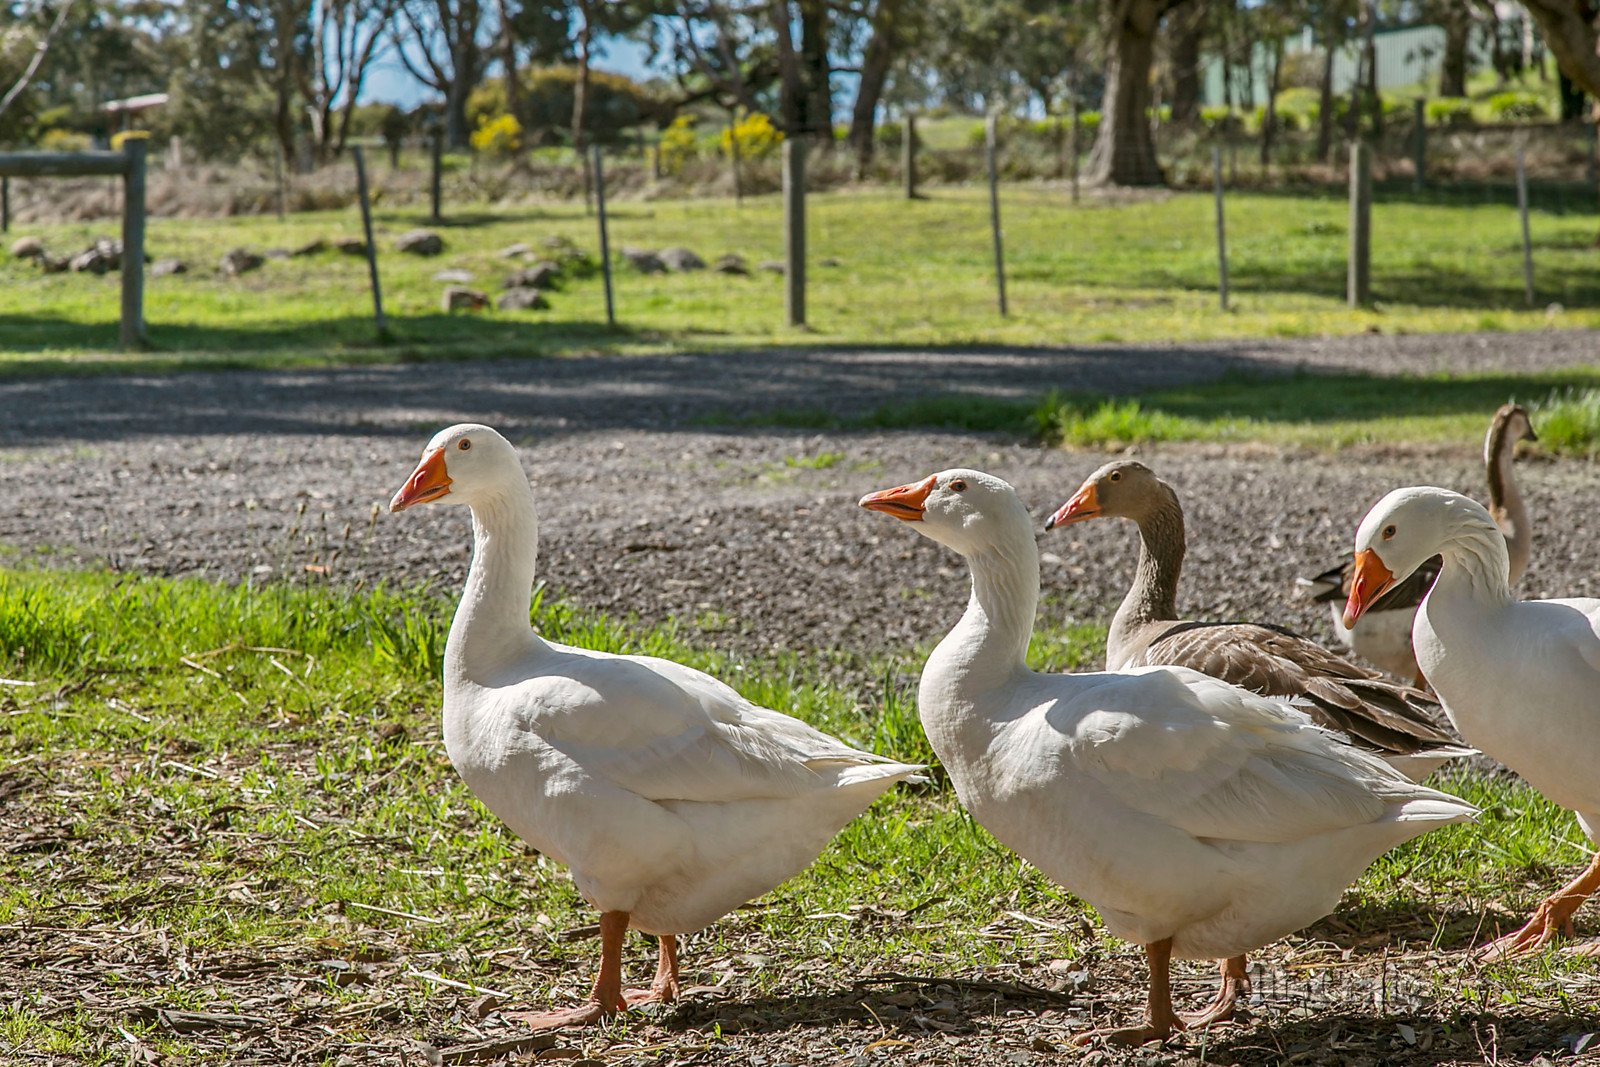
(1371, 580)
(904, 502)
(428, 482)
(1085, 504)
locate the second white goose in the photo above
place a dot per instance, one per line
(1200, 821)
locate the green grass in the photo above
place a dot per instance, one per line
(908, 274)
(1318, 411)
(247, 775)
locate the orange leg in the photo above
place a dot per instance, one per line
(1162, 1020)
(664, 990)
(606, 997)
(1235, 980)
(1552, 916)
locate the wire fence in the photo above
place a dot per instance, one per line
(1245, 240)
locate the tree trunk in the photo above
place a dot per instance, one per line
(818, 106)
(1572, 32)
(1374, 101)
(508, 59)
(1572, 98)
(580, 100)
(1325, 103)
(876, 59)
(1188, 30)
(1269, 120)
(790, 92)
(1124, 152)
(1453, 67)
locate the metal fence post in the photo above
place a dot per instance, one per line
(132, 331)
(435, 179)
(1222, 233)
(605, 246)
(994, 214)
(1527, 243)
(5, 205)
(1359, 281)
(794, 229)
(1419, 177)
(908, 157)
(372, 249)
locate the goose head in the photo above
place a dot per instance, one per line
(466, 463)
(1124, 489)
(965, 510)
(1402, 531)
(1509, 425)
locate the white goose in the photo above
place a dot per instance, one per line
(1200, 820)
(1519, 678)
(672, 798)
(1383, 636)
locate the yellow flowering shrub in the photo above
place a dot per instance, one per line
(678, 144)
(756, 136)
(498, 136)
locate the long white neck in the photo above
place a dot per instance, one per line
(491, 631)
(989, 646)
(1476, 564)
(1505, 504)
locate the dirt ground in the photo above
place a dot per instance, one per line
(649, 511)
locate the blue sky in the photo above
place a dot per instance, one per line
(390, 82)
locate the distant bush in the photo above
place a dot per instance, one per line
(1299, 107)
(755, 135)
(1516, 106)
(614, 103)
(678, 144)
(1220, 119)
(118, 140)
(64, 141)
(1450, 111)
(500, 136)
(888, 134)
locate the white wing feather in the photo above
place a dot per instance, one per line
(667, 732)
(1221, 764)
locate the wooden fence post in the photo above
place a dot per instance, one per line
(794, 229)
(1419, 145)
(1527, 243)
(605, 246)
(132, 332)
(372, 249)
(436, 179)
(1359, 281)
(994, 213)
(1222, 233)
(908, 157)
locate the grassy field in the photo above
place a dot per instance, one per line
(1320, 411)
(248, 810)
(905, 273)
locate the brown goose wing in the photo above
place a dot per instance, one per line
(1379, 715)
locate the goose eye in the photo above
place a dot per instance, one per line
(1116, 476)
(1388, 532)
(465, 444)
(958, 486)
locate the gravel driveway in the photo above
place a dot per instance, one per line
(648, 512)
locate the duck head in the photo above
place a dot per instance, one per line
(463, 463)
